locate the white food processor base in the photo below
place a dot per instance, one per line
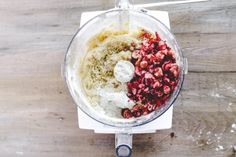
(163, 122)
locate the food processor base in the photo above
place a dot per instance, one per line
(162, 122)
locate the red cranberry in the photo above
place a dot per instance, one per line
(174, 66)
(151, 70)
(151, 66)
(143, 64)
(134, 91)
(139, 91)
(151, 57)
(136, 54)
(146, 90)
(175, 73)
(154, 107)
(157, 37)
(148, 76)
(142, 52)
(159, 56)
(162, 45)
(136, 107)
(159, 93)
(141, 86)
(145, 111)
(129, 94)
(165, 52)
(126, 113)
(166, 79)
(166, 65)
(172, 83)
(137, 113)
(145, 34)
(137, 71)
(171, 53)
(138, 62)
(139, 97)
(174, 70)
(158, 103)
(150, 107)
(166, 89)
(143, 72)
(157, 84)
(158, 72)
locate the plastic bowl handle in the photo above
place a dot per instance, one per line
(123, 144)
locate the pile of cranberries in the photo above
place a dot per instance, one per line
(156, 76)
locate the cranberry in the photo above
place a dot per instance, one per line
(159, 93)
(145, 34)
(151, 70)
(136, 108)
(170, 53)
(157, 84)
(159, 56)
(154, 107)
(143, 64)
(149, 78)
(146, 90)
(138, 62)
(157, 37)
(145, 111)
(158, 103)
(172, 83)
(166, 65)
(174, 70)
(135, 54)
(143, 72)
(166, 89)
(134, 91)
(151, 57)
(126, 113)
(137, 71)
(165, 52)
(139, 91)
(162, 45)
(158, 72)
(174, 66)
(142, 52)
(148, 75)
(150, 107)
(166, 79)
(141, 86)
(175, 73)
(137, 113)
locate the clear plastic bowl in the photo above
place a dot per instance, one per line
(77, 49)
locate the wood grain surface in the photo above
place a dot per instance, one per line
(39, 119)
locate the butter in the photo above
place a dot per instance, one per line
(124, 71)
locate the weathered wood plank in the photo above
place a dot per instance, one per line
(42, 113)
(208, 43)
(37, 115)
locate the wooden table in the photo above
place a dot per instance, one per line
(39, 119)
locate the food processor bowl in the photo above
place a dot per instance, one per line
(121, 17)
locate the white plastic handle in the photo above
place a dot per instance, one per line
(124, 4)
(185, 66)
(123, 144)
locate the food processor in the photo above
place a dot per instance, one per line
(124, 15)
